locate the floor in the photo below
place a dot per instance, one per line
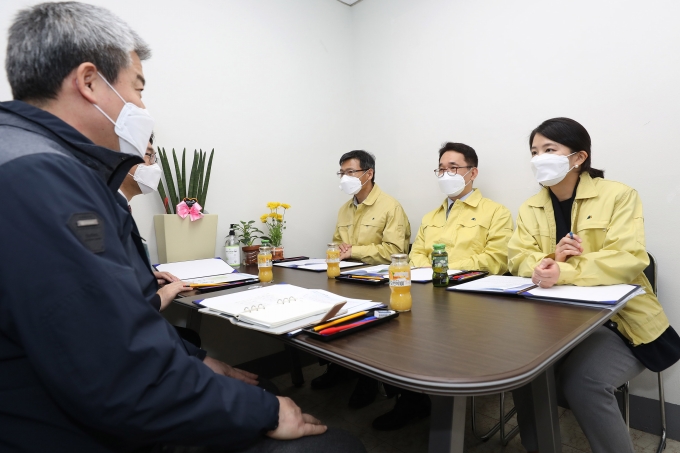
(330, 406)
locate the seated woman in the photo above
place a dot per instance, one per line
(581, 229)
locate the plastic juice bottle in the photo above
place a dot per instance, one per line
(264, 264)
(440, 265)
(333, 260)
(400, 283)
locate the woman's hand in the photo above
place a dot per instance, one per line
(546, 273)
(568, 246)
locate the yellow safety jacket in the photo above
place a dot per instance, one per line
(607, 215)
(476, 235)
(376, 228)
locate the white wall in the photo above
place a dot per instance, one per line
(266, 83)
(487, 72)
(281, 88)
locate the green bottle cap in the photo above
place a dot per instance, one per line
(439, 246)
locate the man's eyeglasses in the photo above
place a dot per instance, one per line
(349, 172)
(152, 158)
(452, 171)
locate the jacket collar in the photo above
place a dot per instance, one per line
(472, 200)
(372, 197)
(586, 189)
(110, 165)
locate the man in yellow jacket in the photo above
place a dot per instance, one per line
(475, 231)
(371, 225)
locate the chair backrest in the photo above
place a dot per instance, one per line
(651, 272)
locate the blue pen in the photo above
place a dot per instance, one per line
(571, 235)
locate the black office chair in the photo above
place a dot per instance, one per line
(651, 274)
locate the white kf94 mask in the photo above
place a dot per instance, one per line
(550, 169)
(133, 126)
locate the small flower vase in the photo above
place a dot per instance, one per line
(277, 253)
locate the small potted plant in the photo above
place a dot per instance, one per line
(276, 223)
(246, 233)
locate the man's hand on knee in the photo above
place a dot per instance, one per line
(293, 424)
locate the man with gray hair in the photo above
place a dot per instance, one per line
(86, 363)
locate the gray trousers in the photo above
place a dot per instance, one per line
(586, 380)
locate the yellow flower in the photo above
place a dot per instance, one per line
(279, 217)
(285, 205)
(272, 215)
(263, 218)
(273, 204)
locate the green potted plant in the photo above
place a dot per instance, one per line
(185, 231)
(276, 223)
(246, 233)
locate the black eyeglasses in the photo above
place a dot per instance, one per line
(452, 171)
(349, 172)
(153, 158)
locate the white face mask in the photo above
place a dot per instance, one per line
(550, 169)
(133, 127)
(147, 177)
(452, 186)
(351, 185)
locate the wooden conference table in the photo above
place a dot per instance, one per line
(451, 346)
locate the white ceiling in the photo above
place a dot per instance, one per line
(350, 2)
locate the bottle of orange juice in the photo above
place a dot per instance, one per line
(333, 260)
(400, 283)
(264, 263)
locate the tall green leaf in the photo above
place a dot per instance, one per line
(178, 173)
(192, 177)
(204, 192)
(168, 177)
(184, 175)
(201, 164)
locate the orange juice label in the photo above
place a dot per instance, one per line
(264, 261)
(333, 256)
(400, 278)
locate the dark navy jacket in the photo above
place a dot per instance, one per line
(86, 363)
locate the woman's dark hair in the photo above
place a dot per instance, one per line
(571, 134)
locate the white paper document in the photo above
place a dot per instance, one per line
(589, 295)
(610, 296)
(226, 278)
(418, 274)
(424, 274)
(497, 283)
(188, 270)
(316, 264)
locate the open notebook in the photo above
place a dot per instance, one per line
(281, 308)
(316, 264)
(418, 274)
